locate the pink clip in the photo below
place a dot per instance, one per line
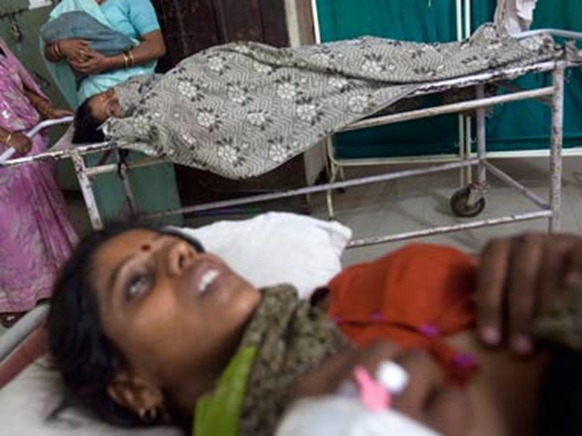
(373, 395)
(429, 330)
(377, 317)
(464, 361)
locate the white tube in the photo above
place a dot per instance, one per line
(316, 28)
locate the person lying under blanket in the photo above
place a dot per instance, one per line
(147, 328)
(242, 109)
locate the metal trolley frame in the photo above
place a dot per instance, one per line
(468, 201)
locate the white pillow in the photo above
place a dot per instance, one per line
(33, 395)
(276, 247)
(269, 249)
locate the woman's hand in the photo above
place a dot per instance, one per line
(517, 278)
(91, 62)
(73, 48)
(52, 113)
(20, 142)
(426, 398)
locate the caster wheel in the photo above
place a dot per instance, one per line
(460, 207)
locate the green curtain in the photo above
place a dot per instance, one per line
(526, 125)
(516, 126)
(413, 20)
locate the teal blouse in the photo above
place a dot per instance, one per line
(133, 18)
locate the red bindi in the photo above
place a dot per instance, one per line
(145, 247)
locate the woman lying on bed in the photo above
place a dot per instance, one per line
(147, 328)
(241, 109)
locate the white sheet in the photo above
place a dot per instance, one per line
(515, 15)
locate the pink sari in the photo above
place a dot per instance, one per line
(36, 234)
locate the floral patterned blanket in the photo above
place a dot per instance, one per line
(242, 109)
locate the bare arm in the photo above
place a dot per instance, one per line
(65, 49)
(151, 47)
(44, 107)
(428, 397)
(17, 140)
(50, 53)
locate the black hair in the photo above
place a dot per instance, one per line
(86, 358)
(86, 126)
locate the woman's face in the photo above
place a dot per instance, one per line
(105, 105)
(175, 314)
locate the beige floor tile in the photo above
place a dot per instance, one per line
(413, 204)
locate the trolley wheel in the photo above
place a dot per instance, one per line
(460, 207)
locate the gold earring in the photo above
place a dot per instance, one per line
(148, 415)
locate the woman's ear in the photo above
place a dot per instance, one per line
(135, 393)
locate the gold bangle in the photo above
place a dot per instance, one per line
(8, 138)
(125, 60)
(131, 59)
(57, 50)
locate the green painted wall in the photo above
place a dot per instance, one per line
(526, 125)
(410, 20)
(518, 126)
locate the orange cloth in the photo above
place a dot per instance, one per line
(413, 297)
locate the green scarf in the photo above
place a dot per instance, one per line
(285, 338)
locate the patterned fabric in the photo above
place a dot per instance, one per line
(35, 232)
(129, 92)
(243, 109)
(414, 297)
(290, 336)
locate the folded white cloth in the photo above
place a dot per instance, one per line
(515, 15)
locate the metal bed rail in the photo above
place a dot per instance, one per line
(473, 197)
(501, 78)
(83, 172)
(550, 209)
(9, 152)
(560, 33)
(11, 338)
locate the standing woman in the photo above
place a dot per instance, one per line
(36, 235)
(69, 52)
(92, 45)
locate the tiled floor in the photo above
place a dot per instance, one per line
(421, 202)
